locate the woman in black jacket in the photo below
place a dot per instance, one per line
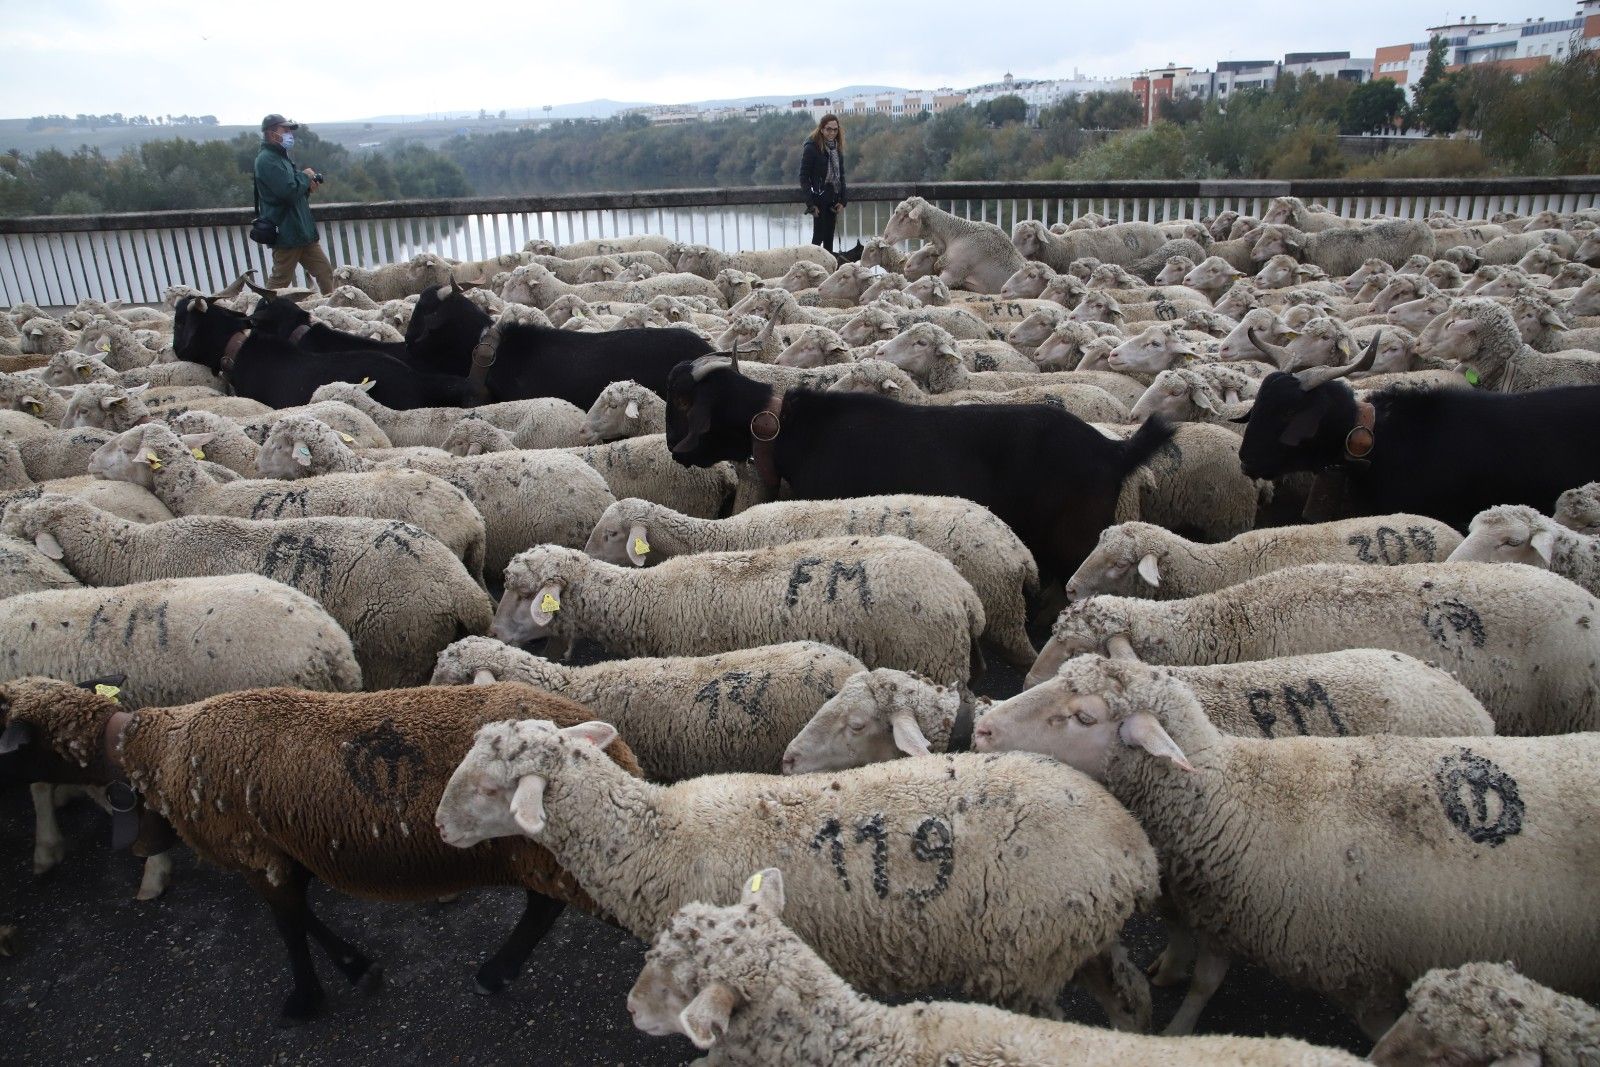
(822, 179)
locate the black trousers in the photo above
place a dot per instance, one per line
(823, 221)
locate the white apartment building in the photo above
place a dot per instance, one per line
(1518, 46)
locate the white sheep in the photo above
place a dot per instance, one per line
(989, 556)
(1026, 908)
(154, 458)
(875, 716)
(398, 593)
(738, 982)
(1119, 243)
(765, 263)
(1477, 622)
(892, 602)
(1579, 509)
(623, 409)
(684, 716)
(644, 467)
(1513, 533)
(1482, 335)
(1202, 392)
(973, 255)
(24, 569)
(1198, 488)
(1140, 559)
(542, 422)
(1487, 1013)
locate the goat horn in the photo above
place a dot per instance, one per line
(1312, 377)
(260, 291)
(704, 365)
(1277, 353)
(234, 287)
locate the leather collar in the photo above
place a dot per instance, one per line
(230, 352)
(483, 356)
(1359, 442)
(299, 332)
(120, 794)
(763, 432)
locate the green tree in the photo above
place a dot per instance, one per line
(1005, 109)
(1436, 107)
(1111, 111)
(1372, 107)
(1182, 110)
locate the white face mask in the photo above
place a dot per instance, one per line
(288, 141)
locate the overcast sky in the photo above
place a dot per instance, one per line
(340, 61)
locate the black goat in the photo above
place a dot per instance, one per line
(280, 374)
(1051, 477)
(1444, 453)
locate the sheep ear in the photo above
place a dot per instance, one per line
(302, 453)
(366, 385)
(17, 734)
(136, 390)
(1149, 570)
(908, 736)
(47, 545)
(1231, 396)
(108, 402)
(474, 449)
(632, 410)
(1142, 730)
(1542, 542)
(527, 804)
(597, 733)
(196, 440)
(638, 544)
(892, 387)
(483, 676)
(705, 1019)
(545, 603)
(765, 891)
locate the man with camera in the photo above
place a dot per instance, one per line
(283, 199)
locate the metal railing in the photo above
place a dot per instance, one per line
(60, 259)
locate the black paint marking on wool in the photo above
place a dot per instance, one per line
(873, 827)
(1423, 540)
(801, 575)
(402, 535)
(832, 833)
(1166, 311)
(156, 616)
(1465, 782)
(275, 502)
(849, 572)
(295, 560)
(384, 765)
(745, 690)
(1447, 620)
(934, 842)
(1296, 702)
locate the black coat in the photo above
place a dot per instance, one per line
(814, 172)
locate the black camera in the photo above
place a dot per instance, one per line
(317, 177)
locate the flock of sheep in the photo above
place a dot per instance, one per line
(1350, 752)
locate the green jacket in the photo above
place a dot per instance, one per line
(283, 189)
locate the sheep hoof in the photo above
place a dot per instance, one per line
(46, 854)
(8, 940)
(493, 977)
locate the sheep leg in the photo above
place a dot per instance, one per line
(157, 876)
(49, 847)
(1119, 987)
(1172, 966)
(287, 901)
(1210, 965)
(501, 969)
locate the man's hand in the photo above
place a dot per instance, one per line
(309, 172)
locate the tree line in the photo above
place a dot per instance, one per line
(81, 121)
(1538, 124)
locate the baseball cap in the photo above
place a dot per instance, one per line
(277, 120)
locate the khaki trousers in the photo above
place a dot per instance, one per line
(309, 257)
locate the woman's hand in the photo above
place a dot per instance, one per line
(838, 207)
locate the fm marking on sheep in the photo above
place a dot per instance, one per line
(736, 689)
(384, 765)
(1295, 703)
(403, 536)
(1447, 620)
(840, 571)
(275, 502)
(932, 842)
(1392, 550)
(290, 556)
(1469, 773)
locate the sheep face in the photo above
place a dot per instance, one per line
(1083, 627)
(105, 407)
(1170, 395)
(536, 582)
(1282, 209)
(876, 716)
(920, 349)
(625, 541)
(873, 376)
(1155, 348)
(660, 995)
(868, 325)
(1277, 241)
(1176, 269)
(475, 436)
(1212, 276)
(1279, 272)
(1064, 348)
(1118, 555)
(498, 788)
(814, 348)
(1396, 353)
(602, 270)
(906, 221)
(1475, 1014)
(1088, 713)
(1097, 307)
(614, 414)
(1579, 509)
(1028, 282)
(1588, 251)
(298, 445)
(1535, 319)
(74, 368)
(845, 283)
(1030, 238)
(1507, 534)
(930, 290)
(923, 263)
(804, 274)
(1415, 315)
(134, 455)
(1032, 331)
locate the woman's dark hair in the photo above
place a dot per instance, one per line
(822, 142)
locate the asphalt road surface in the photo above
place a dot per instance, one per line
(198, 976)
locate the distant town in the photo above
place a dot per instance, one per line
(1519, 46)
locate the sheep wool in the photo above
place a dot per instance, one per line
(682, 716)
(907, 875)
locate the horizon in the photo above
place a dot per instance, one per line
(155, 53)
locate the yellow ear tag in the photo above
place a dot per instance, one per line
(347, 439)
(640, 546)
(364, 381)
(198, 453)
(153, 460)
(104, 345)
(108, 691)
(36, 407)
(755, 883)
(549, 604)
(84, 372)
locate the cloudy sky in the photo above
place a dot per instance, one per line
(339, 61)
